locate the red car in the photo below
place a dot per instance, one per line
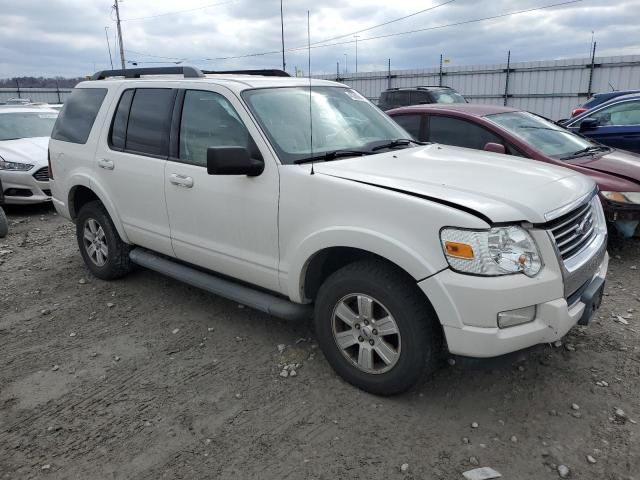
(515, 132)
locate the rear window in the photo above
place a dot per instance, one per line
(78, 114)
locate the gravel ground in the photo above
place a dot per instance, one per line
(148, 378)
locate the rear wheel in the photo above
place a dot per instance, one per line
(376, 328)
(102, 249)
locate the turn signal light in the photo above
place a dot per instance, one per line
(459, 250)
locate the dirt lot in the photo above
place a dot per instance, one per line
(148, 378)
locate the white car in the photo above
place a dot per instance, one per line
(220, 181)
(24, 138)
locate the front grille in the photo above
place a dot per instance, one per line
(42, 175)
(574, 230)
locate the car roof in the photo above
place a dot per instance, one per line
(26, 108)
(234, 82)
(617, 93)
(472, 109)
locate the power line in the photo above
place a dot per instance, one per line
(177, 12)
(347, 42)
(385, 23)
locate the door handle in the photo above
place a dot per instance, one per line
(106, 164)
(181, 180)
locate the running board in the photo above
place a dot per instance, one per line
(257, 299)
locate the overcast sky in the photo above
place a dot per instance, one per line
(67, 37)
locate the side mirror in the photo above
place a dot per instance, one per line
(232, 161)
(589, 124)
(495, 148)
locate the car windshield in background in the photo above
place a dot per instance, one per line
(16, 125)
(546, 137)
(342, 120)
(447, 96)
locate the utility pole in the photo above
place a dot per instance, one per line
(119, 34)
(282, 31)
(356, 37)
(346, 64)
(106, 33)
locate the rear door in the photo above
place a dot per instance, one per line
(226, 223)
(130, 164)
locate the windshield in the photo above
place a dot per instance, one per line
(342, 120)
(447, 96)
(15, 125)
(546, 137)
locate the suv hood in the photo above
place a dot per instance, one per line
(25, 150)
(496, 187)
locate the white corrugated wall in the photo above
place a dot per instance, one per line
(550, 88)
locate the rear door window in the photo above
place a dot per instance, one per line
(411, 123)
(420, 97)
(149, 121)
(76, 118)
(460, 133)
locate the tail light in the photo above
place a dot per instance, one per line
(49, 161)
(577, 111)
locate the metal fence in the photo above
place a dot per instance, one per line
(550, 88)
(45, 95)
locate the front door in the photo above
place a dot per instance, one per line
(618, 125)
(226, 223)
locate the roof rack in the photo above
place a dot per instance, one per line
(188, 72)
(266, 72)
(418, 87)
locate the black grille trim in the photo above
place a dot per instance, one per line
(42, 175)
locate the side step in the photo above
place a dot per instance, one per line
(257, 299)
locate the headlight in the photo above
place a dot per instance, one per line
(499, 251)
(4, 165)
(622, 197)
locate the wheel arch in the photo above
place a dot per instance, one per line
(80, 195)
(325, 252)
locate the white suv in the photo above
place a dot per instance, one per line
(394, 248)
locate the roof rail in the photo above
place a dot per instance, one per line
(273, 72)
(188, 72)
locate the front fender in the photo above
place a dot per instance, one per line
(384, 246)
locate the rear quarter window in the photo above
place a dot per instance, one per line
(76, 118)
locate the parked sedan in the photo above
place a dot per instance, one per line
(24, 139)
(519, 133)
(615, 123)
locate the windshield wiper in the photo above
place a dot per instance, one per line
(398, 142)
(328, 156)
(533, 127)
(586, 151)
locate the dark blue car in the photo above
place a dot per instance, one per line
(615, 123)
(597, 99)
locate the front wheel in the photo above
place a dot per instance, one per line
(102, 249)
(375, 327)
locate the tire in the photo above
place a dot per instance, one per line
(393, 295)
(4, 224)
(106, 265)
